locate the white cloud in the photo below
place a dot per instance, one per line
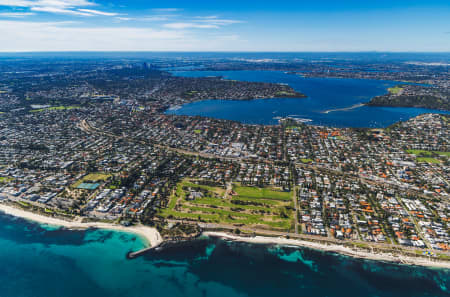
(52, 9)
(97, 12)
(158, 18)
(152, 18)
(189, 26)
(46, 3)
(73, 7)
(214, 20)
(124, 18)
(169, 31)
(206, 22)
(16, 3)
(67, 36)
(15, 14)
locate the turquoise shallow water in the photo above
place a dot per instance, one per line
(40, 261)
(324, 94)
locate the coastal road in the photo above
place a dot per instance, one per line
(294, 197)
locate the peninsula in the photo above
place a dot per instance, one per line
(413, 96)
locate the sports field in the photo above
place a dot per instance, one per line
(91, 178)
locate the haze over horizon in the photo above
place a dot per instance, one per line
(293, 26)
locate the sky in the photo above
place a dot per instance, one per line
(227, 25)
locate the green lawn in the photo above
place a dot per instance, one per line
(25, 204)
(262, 193)
(427, 153)
(217, 190)
(232, 217)
(173, 198)
(218, 218)
(447, 154)
(306, 160)
(92, 177)
(55, 108)
(180, 193)
(184, 215)
(395, 90)
(222, 212)
(224, 204)
(428, 160)
(4, 179)
(419, 152)
(259, 201)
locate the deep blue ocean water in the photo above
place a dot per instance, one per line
(39, 261)
(324, 94)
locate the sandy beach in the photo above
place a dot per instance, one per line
(149, 234)
(357, 253)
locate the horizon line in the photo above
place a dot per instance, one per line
(218, 51)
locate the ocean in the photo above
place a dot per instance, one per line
(38, 260)
(327, 97)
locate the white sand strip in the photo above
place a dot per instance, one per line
(357, 253)
(149, 234)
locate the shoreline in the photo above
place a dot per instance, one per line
(153, 239)
(340, 249)
(150, 235)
